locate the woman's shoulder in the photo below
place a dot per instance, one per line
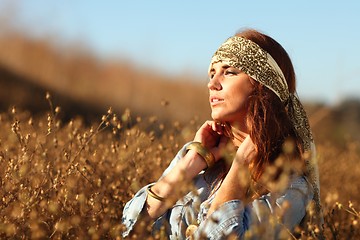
(300, 181)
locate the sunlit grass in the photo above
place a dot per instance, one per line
(71, 180)
(66, 179)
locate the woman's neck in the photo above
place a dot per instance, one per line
(237, 132)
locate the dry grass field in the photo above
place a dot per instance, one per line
(65, 174)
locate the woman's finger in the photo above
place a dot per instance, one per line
(206, 134)
(246, 151)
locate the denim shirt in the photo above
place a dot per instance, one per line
(232, 217)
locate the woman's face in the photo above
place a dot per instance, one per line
(229, 90)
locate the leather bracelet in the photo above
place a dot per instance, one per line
(203, 152)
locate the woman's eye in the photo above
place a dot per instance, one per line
(229, 72)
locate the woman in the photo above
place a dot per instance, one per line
(223, 183)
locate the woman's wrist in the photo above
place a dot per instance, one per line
(203, 152)
(192, 164)
(186, 169)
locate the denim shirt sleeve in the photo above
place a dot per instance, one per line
(133, 208)
(290, 205)
(233, 217)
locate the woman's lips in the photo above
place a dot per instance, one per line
(215, 101)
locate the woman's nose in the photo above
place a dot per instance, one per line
(214, 83)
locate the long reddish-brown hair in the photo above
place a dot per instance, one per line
(267, 119)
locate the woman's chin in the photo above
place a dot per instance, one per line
(218, 118)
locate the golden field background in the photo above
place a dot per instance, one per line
(68, 164)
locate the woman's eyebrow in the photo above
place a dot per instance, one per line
(224, 67)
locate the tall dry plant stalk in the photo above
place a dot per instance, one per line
(71, 180)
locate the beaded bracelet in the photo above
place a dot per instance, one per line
(154, 195)
(203, 152)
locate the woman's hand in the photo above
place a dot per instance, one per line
(236, 182)
(246, 152)
(211, 135)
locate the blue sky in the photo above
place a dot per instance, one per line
(321, 37)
